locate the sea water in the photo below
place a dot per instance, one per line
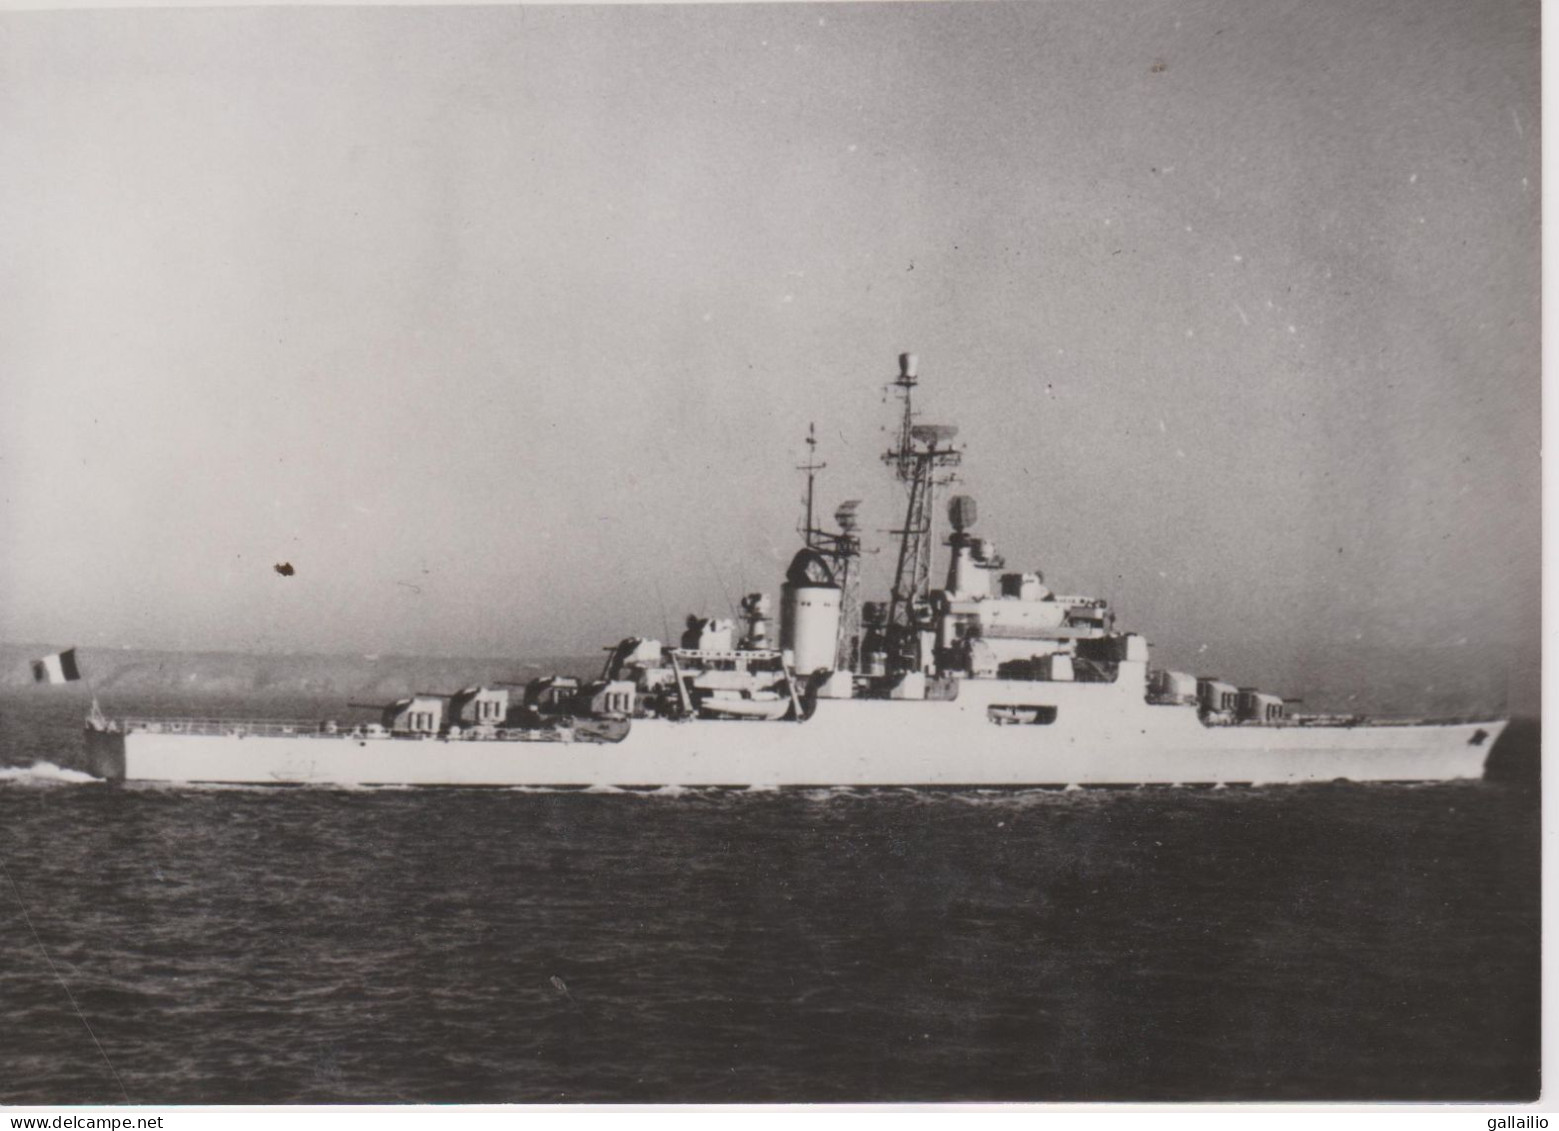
(198, 945)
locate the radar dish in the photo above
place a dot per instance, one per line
(962, 512)
(846, 517)
(809, 569)
(933, 434)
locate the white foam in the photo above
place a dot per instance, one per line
(210, 787)
(40, 773)
(833, 793)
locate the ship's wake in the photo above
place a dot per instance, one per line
(44, 773)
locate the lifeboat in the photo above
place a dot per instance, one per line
(764, 709)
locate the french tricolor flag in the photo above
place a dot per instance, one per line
(58, 668)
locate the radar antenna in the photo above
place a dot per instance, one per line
(810, 533)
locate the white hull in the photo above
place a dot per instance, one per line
(1109, 740)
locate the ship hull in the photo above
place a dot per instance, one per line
(854, 743)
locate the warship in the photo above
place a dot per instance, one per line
(992, 680)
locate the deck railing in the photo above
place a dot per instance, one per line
(314, 728)
(1334, 721)
(270, 728)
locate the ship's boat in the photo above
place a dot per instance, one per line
(993, 679)
(764, 708)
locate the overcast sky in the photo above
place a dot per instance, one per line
(504, 325)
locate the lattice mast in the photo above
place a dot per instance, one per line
(923, 459)
(844, 551)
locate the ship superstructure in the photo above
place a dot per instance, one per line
(993, 679)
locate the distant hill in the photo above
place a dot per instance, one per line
(142, 672)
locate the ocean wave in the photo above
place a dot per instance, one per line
(44, 773)
(832, 793)
(210, 787)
